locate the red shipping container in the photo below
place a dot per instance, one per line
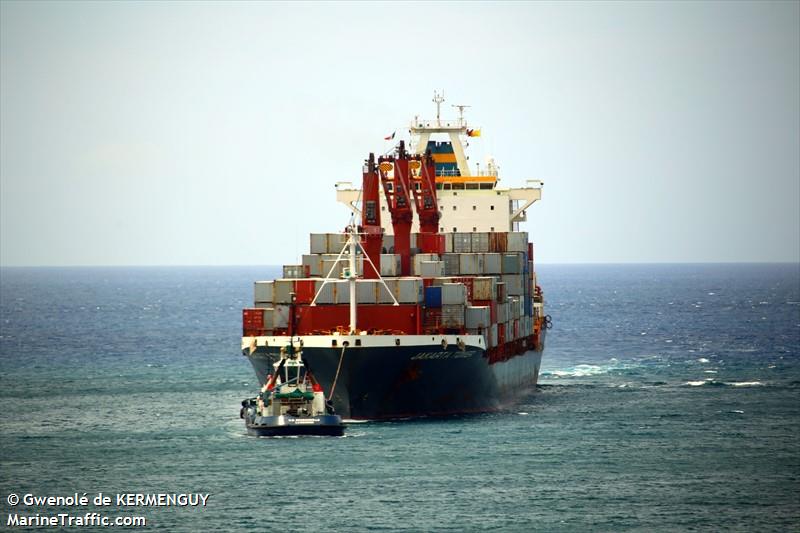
(498, 242)
(252, 322)
(430, 243)
(304, 290)
(402, 318)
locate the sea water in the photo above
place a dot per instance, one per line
(669, 399)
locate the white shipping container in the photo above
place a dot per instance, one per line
(493, 336)
(314, 264)
(335, 242)
(513, 284)
(480, 242)
(409, 290)
(430, 269)
(282, 291)
(517, 241)
(419, 259)
(448, 242)
(294, 271)
(514, 302)
(280, 316)
(331, 268)
(477, 317)
(462, 243)
(366, 291)
(501, 292)
(453, 315)
(502, 312)
(492, 264)
(451, 264)
(342, 291)
(470, 264)
(383, 292)
(390, 265)
(512, 263)
(263, 291)
(269, 318)
(484, 288)
(319, 243)
(454, 294)
(325, 293)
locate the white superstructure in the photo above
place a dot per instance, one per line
(468, 201)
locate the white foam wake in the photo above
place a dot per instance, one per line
(577, 371)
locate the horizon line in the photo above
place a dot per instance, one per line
(542, 263)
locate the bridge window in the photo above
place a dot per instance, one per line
(474, 207)
(454, 208)
(491, 207)
(455, 230)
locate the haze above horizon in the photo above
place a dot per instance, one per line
(210, 134)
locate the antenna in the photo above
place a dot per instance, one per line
(461, 108)
(438, 99)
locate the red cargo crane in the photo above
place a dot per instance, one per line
(397, 198)
(372, 233)
(424, 188)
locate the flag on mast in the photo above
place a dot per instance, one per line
(390, 137)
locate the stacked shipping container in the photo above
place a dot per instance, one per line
(483, 284)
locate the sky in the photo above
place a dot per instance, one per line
(157, 133)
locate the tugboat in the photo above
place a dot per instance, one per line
(291, 402)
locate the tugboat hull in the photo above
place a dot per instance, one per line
(281, 426)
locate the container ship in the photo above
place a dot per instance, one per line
(427, 303)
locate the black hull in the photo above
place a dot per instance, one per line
(284, 426)
(320, 431)
(412, 381)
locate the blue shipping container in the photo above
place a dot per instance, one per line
(433, 296)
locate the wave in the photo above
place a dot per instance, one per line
(714, 383)
(577, 371)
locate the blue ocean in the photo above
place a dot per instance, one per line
(669, 400)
